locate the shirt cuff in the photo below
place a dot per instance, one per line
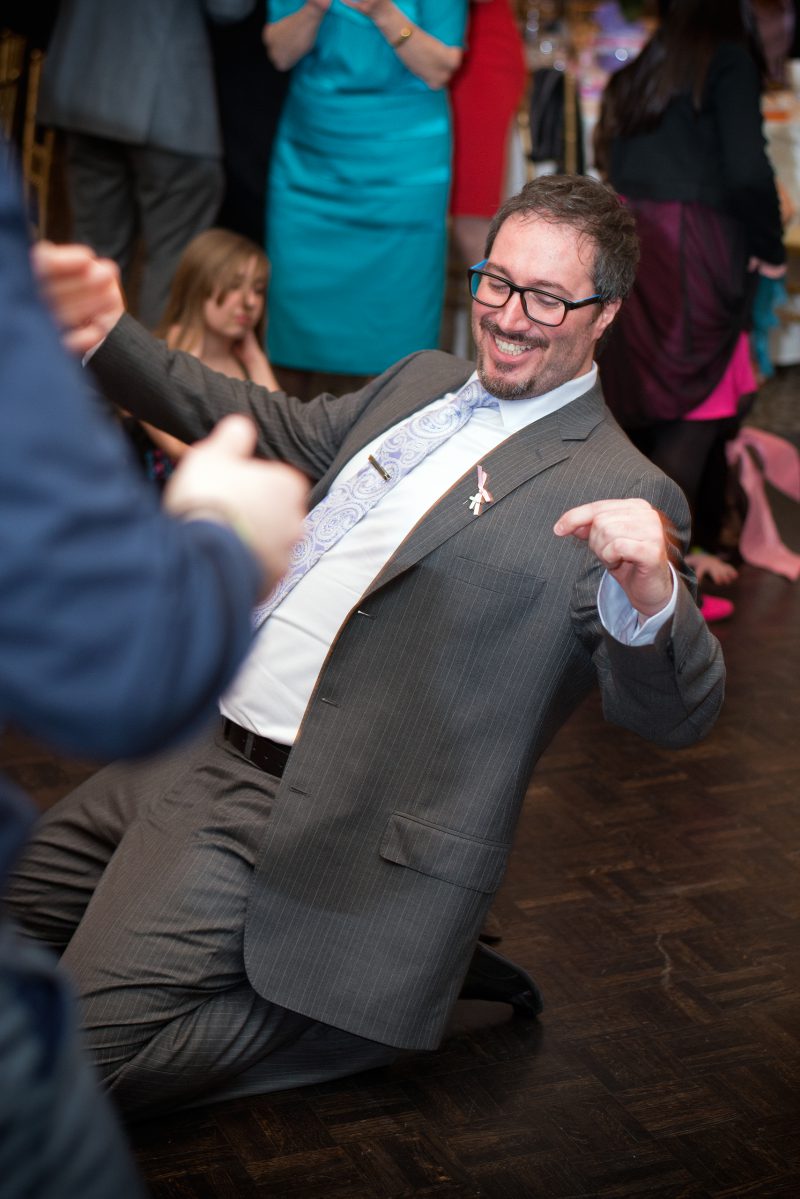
(90, 353)
(621, 619)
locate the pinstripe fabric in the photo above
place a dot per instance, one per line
(168, 847)
(349, 500)
(390, 829)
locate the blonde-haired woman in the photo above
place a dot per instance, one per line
(217, 306)
(216, 311)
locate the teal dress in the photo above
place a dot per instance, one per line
(357, 210)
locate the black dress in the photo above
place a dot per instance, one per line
(703, 193)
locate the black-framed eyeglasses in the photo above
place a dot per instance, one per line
(540, 306)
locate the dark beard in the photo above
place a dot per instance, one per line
(523, 389)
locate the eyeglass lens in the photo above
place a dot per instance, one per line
(538, 305)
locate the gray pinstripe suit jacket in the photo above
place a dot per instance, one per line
(393, 822)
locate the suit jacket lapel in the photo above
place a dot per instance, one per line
(399, 402)
(521, 457)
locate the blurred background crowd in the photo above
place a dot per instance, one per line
(347, 156)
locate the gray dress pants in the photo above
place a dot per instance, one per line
(120, 193)
(140, 878)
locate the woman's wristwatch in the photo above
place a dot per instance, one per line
(402, 37)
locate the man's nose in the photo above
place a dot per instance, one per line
(512, 315)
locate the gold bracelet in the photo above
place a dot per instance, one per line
(403, 36)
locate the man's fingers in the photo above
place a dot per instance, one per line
(577, 521)
(52, 261)
(591, 515)
(235, 435)
(62, 270)
(80, 341)
(582, 532)
(82, 292)
(627, 549)
(73, 310)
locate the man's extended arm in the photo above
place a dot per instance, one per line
(172, 390)
(670, 691)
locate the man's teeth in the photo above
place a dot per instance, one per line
(509, 347)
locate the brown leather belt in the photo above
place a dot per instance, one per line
(265, 754)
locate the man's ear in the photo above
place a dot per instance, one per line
(607, 313)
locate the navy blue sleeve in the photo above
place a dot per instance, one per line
(119, 626)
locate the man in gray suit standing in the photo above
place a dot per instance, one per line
(299, 896)
(132, 86)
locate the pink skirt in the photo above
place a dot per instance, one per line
(739, 380)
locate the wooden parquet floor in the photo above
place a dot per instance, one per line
(655, 896)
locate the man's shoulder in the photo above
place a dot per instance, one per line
(421, 376)
(435, 364)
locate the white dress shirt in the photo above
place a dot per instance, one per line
(270, 693)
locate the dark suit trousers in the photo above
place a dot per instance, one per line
(140, 878)
(120, 193)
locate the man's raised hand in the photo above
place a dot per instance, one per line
(630, 538)
(82, 291)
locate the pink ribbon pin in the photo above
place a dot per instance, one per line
(481, 494)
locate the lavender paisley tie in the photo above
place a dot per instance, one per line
(347, 502)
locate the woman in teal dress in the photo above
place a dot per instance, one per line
(359, 183)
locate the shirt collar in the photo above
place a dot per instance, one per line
(516, 414)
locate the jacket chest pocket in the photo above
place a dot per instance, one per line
(517, 584)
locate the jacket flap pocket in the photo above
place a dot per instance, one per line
(463, 861)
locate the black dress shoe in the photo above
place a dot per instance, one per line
(492, 931)
(493, 977)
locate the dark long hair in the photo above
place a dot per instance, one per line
(674, 61)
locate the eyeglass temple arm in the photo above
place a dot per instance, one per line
(582, 303)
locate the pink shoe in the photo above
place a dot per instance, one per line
(714, 607)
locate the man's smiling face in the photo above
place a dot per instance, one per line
(516, 358)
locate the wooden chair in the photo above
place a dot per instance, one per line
(12, 63)
(37, 150)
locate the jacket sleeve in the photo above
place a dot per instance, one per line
(177, 393)
(670, 692)
(119, 626)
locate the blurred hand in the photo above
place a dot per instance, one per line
(264, 502)
(82, 291)
(629, 537)
(370, 8)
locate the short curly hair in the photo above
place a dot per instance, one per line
(592, 208)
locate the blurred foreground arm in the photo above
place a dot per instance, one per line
(119, 624)
(219, 480)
